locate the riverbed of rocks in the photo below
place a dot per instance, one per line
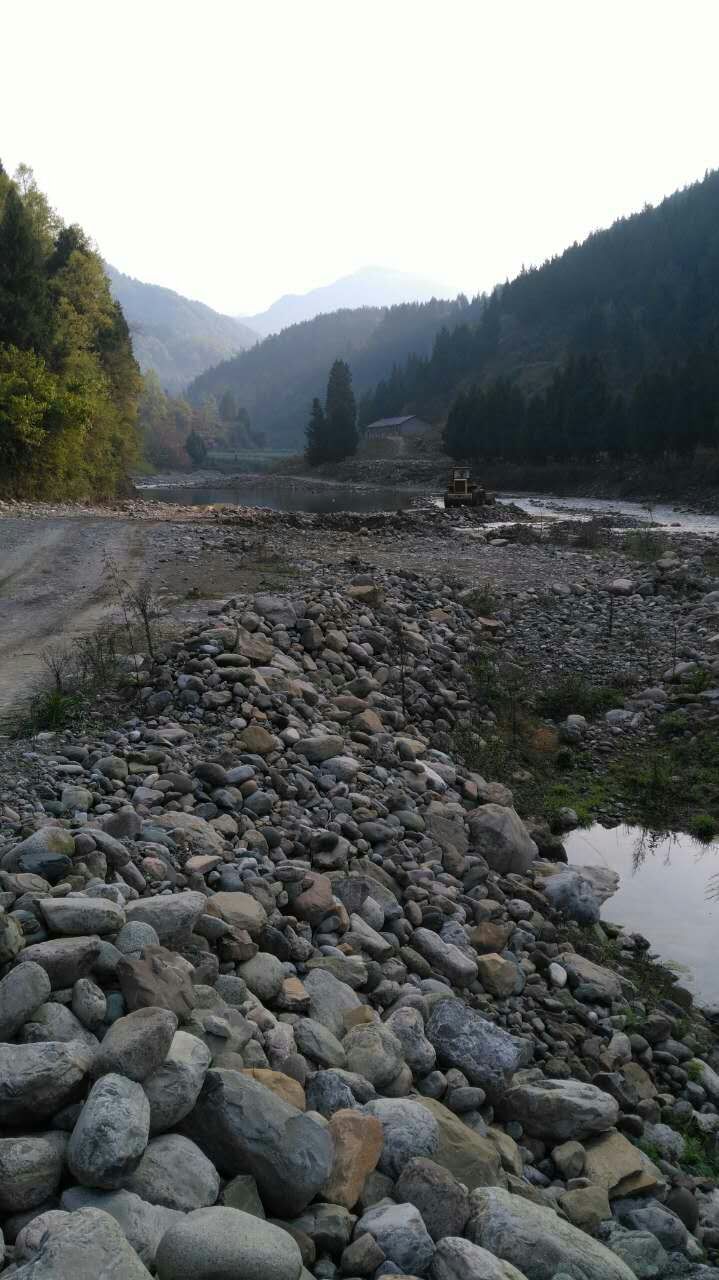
(286, 991)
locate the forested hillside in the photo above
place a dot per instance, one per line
(277, 380)
(610, 347)
(177, 337)
(69, 384)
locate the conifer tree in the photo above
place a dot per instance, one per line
(341, 412)
(316, 435)
(196, 448)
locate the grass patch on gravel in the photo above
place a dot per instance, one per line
(572, 694)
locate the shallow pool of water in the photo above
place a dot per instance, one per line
(283, 497)
(665, 893)
(673, 519)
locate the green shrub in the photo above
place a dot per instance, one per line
(644, 544)
(703, 827)
(572, 694)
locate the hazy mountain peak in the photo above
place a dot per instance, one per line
(371, 286)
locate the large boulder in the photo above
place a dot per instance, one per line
(557, 1110)
(445, 957)
(24, 989)
(275, 609)
(86, 1243)
(330, 1000)
(64, 959)
(472, 1159)
(175, 1173)
(612, 1162)
(374, 1052)
(400, 1233)
(172, 916)
(226, 1244)
(486, 1054)
(603, 985)
(358, 1141)
(173, 1089)
(136, 1045)
(242, 1126)
(30, 1170)
(409, 1129)
(156, 978)
(457, 1259)
(238, 910)
(195, 831)
(111, 1133)
(573, 895)
(81, 915)
(47, 853)
(537, 1241)
(442, 1201)
(37, 1080)
(142, 1223)
(500, 836)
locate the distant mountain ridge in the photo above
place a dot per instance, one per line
(177, 337)
(277, 379)
(367, 287)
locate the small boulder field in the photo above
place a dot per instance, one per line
(287, 991)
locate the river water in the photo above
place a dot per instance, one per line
(665, 892)
(328, 498)
(284, 498)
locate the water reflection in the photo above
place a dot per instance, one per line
(668, 891)
(283, 498)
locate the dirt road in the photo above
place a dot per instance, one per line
(54, 584)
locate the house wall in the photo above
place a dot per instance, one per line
(415, 427)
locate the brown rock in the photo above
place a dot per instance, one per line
(359, 1017)
(358, 1143)
(368, 722)
(293, 996)
(239, 910)
(284, 1086)
(368, 593)
(489, 936)
(498, 976)
(614, 1163)
(586, 1207)
(237, 946)
(157, 978)
(201, 863)
(258, 740)
(314, 903)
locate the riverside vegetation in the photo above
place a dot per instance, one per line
(290, 989)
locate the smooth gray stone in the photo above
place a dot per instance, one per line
(111, 1134)
(30, 1169)
(242, 1126)
(143, 1224)
(174, 1172)
(173, 1089)
(226, 1244)
(87, 1245)
(22, 991)
(37, 1080)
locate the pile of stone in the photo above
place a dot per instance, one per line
(287, 992)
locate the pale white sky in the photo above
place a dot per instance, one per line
(235, 150)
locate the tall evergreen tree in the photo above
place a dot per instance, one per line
(316, 435)
(341, 412)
